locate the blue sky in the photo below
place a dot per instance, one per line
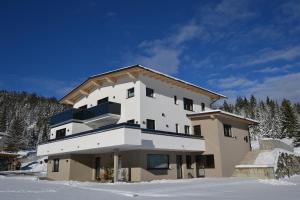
(234, 47)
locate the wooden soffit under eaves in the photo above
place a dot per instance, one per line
(96, 81)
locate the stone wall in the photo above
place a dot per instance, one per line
(273, 144)
(254, 172)
(287, 165)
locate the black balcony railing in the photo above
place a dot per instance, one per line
(76, 114)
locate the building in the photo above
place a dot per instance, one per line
(137, 124)
(8, 160)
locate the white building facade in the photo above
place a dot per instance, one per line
(132, 111)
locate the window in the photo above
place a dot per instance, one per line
(197, 130)
(227, 130)
(207, 161)
(175, 99)
(187, 129)
(150, 124)
(55, 165)
(176, 128)
(202, 106)
(60, 133)
(130, 121)
(104, 100)
(130, 93)
(82, 107)
(149, 92)
(187, 104)
(246, 139)
(157, 161)
(188, 162)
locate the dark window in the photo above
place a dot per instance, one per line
(187, 104)
(188, 162)
(227, 130)
(104, 100)
(207, 161)
(157, 161)
(202, 106)
(175, 99)
(246, 139)
(150, 124)
(130, 121)
(176, 128)
(55, 165)
(61, 133)
(149, 92)
(187, 129)
(197, 130)
(82, 107)
(130, 93)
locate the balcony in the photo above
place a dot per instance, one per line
(122, 136)
(100, 115)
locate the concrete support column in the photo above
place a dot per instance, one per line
(116, 165)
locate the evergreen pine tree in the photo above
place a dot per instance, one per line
(289, 119)
(227, 107)
(15, 139)
(3, 121)
(252, 107)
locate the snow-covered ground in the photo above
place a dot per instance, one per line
(14, 188)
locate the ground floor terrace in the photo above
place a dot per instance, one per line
(129, 166)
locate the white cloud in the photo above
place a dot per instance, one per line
(276, 87)
(265, 56)
(164, 54)
(274, 55)
(162, 59)
(232, 82)
(270, 70)
(279, 87)
(167, 53)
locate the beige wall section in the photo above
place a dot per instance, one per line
(64, 168)
(130, 160)
(171, 173)
(81, 167)
(235, 148)
(228, 151)
(210, 132)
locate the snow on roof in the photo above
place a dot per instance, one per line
(225, 113)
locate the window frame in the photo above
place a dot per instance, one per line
(131, 121)
(188, 104)
(151, 94)
(158, 168)
(176, 128)
(59, 135)
(188, 160)
(55, 166)
(207, 160)
(199, 130)
(186, 129)
(84, 107)
(175, 100)
(147, 122)
(130, 94)
(202, 107)
(103, 100)
(227, 130)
